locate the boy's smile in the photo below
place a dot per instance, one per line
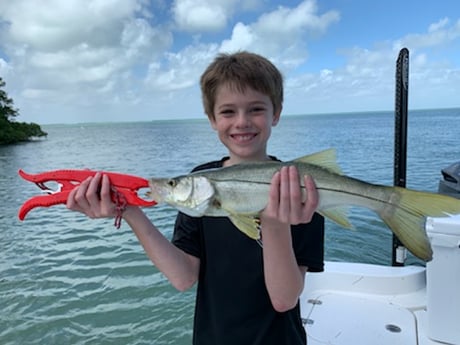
(243, 121)
(241, 138)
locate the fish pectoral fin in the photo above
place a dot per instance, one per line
(338, 215)
(247, 224)
(326, 159)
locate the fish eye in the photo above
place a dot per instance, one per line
(172, 183)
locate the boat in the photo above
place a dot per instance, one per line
(367, 304)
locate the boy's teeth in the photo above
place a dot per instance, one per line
(243, 137)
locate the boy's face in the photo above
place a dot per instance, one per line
(243, 121)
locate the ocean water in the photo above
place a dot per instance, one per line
(66, 279)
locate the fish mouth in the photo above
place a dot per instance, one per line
(156, 192)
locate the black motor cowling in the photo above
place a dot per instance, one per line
(450, 182)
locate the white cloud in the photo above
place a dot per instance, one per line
(4, 67)
(439, 33)
(295, 21)
(55, 24)
(145, 57)
(243, 37)
(199, 15)
(180, 70)
(367, 79)
(80, 49)
(439, 25)
(282, 33)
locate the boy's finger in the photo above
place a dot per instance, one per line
(294, 184)
(285, 194)
(295, 195)
(92, 193)
(274, 194)
(312, 196)
(105, 188)
(70, 203)
(80, 194)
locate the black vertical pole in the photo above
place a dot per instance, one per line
(400, 151)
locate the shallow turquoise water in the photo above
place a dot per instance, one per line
(65, 279)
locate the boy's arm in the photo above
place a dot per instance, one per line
(284, 279)
(179, 267)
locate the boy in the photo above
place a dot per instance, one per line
(247, 294)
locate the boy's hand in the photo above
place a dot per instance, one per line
(92, 197)
(287, 204)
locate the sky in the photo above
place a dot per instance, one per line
(79, 61)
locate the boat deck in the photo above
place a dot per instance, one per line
(363, 304)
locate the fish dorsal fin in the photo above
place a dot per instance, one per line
(326, 159)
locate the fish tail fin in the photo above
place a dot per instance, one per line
(406, 214)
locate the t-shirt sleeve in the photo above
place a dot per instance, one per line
(186, 234)
(308, 242)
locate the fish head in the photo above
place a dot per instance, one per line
(190, 194)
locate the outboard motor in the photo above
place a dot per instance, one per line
(450, 183)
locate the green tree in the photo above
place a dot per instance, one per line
(11, 131)
(7, 110)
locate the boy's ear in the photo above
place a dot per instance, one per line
(276, 116)
(212, 121)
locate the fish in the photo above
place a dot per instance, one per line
(240, 192)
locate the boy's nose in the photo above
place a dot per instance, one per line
(243, 119)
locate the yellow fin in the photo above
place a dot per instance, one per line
(326, 159)
(406, 215)
(249, 225)
(338, 215)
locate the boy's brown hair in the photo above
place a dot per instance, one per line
(241, 70)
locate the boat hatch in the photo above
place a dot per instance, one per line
(339, 319)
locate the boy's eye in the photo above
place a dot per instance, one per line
(227, 112)
(257, 109)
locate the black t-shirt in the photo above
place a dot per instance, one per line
(232, 304)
